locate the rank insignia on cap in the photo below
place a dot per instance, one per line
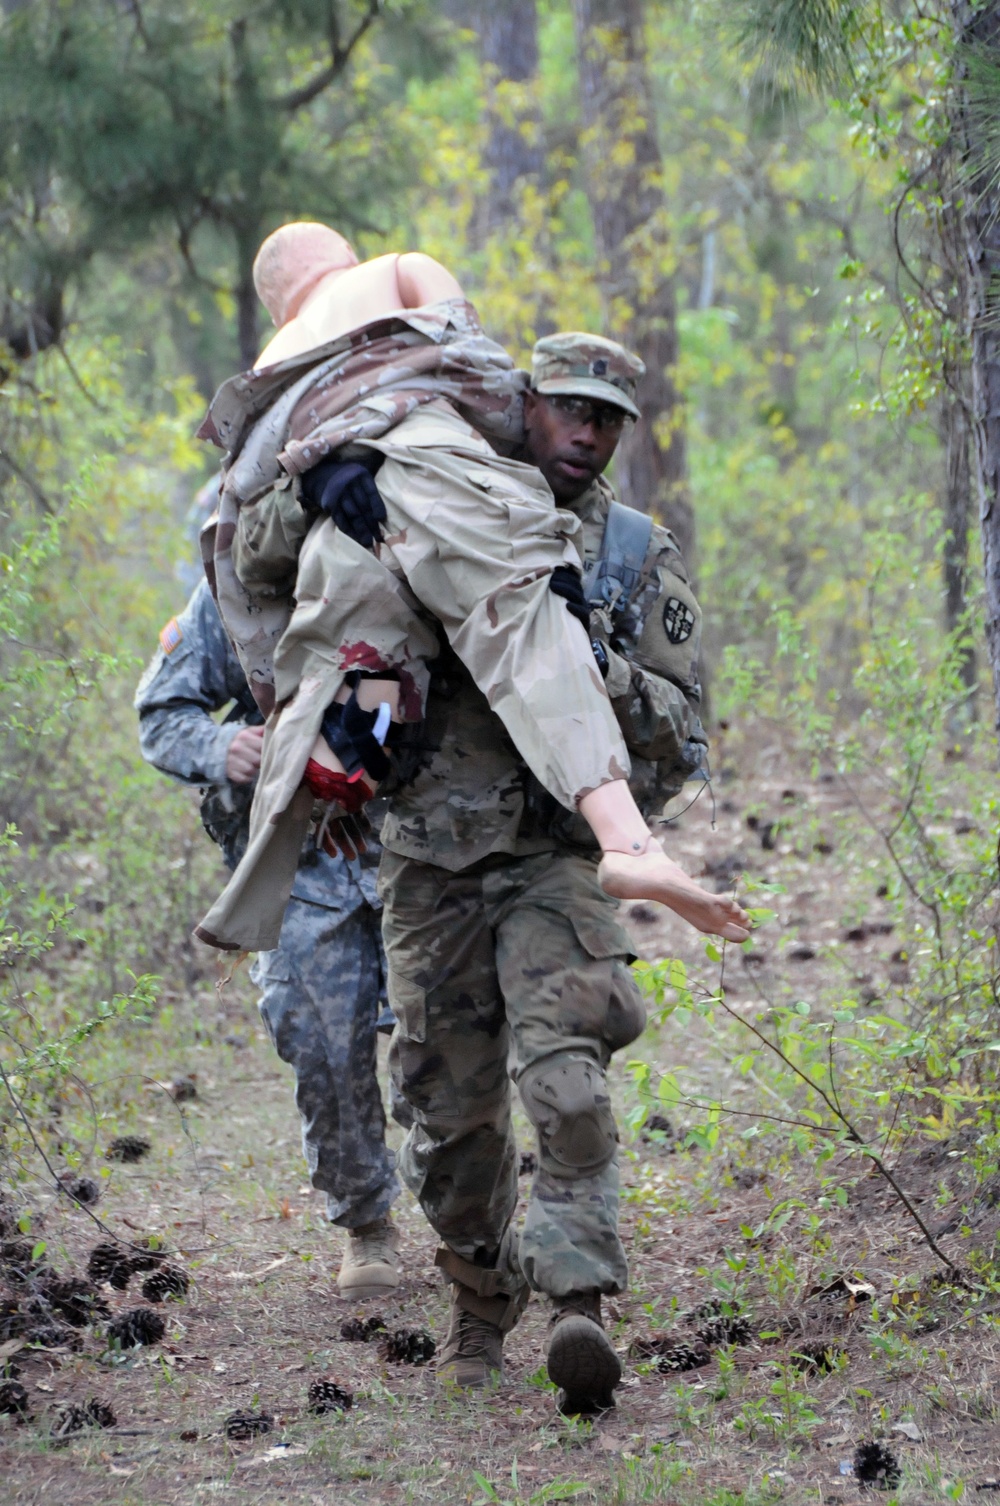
(171, 636)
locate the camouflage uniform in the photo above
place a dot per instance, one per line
(497, 933)
(505, 956)
(472, 538)
(323, 984)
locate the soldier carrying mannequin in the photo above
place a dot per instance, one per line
(500, 931)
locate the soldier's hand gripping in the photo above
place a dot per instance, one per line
(566, 582)
(243, 758)
(346, 492)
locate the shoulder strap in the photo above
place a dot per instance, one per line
(614, 575)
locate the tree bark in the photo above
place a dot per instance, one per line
(247, 304)
(625, 186)
(957, 510)
(508, 32)
(978, 28)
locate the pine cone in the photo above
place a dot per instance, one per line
(326, 1396)
(52, 1336)
(73, 1298)
(408, 1346)
(127, 1148)
(243, 1425)
(136, 1326)
(83, 1190)
(70, 1419)
(15, 1257)
(145, 1256)
(168, 1281)
(14, 1399)
(874, 1464)
(99, 1414)
(671, 1355)
(360, 1330)
(721, 1322)
(109, 1262)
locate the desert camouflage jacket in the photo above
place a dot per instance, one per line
(277, 423)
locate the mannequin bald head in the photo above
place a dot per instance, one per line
(292, 261)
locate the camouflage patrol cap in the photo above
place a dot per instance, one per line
(575, 364)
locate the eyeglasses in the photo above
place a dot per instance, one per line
(582, 410)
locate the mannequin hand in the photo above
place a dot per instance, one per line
(346, 492)
(347, 836)
(243, 757)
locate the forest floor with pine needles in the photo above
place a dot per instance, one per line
(810, 1328)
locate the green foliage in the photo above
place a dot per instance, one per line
(851, 1081)
(204, 125)
(811, 43)
(555, 1490)
(85, 916)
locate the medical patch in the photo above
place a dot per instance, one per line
(171, 636)
(678, 620)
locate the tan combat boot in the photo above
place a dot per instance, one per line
(485, 1305)
(370, 1267)
(581, 1360)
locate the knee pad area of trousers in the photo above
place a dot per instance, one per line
(566, 1098)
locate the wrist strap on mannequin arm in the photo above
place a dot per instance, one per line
(356, 736)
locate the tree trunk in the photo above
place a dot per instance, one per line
(247, 110)
(957, 511)
(978, 28)
(508, 32)
(247, 303)
(624, 183)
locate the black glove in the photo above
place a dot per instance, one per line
(566, 582)
(346, 492)
(350, 733)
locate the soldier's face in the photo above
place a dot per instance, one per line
(571, 440)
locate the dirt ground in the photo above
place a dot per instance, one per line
(224, 1188)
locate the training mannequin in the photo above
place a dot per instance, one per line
(311, 283)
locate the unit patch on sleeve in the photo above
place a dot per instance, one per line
(171, 636)
(678, 620)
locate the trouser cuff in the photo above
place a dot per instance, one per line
(498, 1296)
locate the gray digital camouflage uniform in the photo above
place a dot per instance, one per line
(323, 984)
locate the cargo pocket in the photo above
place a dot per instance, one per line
(272, 967)
(408, 1002)
(603, 938)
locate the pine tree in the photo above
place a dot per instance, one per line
(213, 123)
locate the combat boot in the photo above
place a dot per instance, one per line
(581, 1360)
(485, 1305)
(370, 1267)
